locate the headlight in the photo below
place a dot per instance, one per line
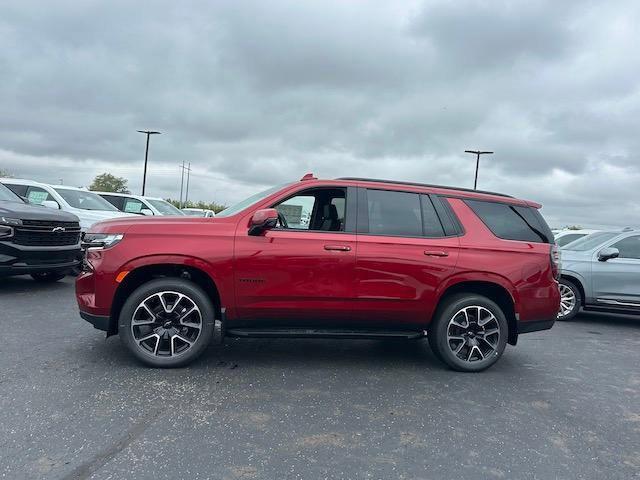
(101, 240)
(10, 221)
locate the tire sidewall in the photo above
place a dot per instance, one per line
(180, 285)
(451, 307)
(576, 293)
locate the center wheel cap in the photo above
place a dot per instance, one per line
(167, 324)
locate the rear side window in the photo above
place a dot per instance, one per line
(394, 213)
(512, 222)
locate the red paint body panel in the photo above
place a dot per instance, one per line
(324, 277)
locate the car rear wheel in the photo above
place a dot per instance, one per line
(167, 322)
(469, 332)
(48, 277)
(570, 300)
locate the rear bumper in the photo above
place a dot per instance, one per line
(101, 322)
(535, 326)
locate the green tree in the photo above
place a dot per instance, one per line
(216, 207)
(5, 173)
(105, 182)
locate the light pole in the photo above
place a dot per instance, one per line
(146, 156)
(477, 153)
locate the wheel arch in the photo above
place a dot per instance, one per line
(493, 290)
(144, 273)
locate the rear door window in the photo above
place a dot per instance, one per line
(512, 222)
(394, 213)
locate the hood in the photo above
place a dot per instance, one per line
(26, 211)
(153, 223)
(90, 217)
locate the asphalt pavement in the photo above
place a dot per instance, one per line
(562, 404)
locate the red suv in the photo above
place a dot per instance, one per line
(346, 258)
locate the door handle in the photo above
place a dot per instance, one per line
(435, 253)
(340, 248)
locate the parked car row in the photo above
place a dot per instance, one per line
(42, 225)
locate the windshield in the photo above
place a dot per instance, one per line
(8, 196)
(85, 200)
(165, 208)
(247, 202)
(590, 241)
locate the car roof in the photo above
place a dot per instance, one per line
(133, 195)
(22, 181)
(423, 188)
(586, 231)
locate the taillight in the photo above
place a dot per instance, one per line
(556, 261)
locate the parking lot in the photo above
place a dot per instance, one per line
(562, 404)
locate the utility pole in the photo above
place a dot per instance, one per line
(186, 195)
(181, 182)
(477, 153)
(146, 156)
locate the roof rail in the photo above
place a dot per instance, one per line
(445, 187)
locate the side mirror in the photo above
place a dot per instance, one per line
(146, 211)
(262, 220)
(50, 204)
(608, 253)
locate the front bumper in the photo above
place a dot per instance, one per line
(20, 260)
(100, 322)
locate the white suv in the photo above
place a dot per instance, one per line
(87, 206)
(129, 203)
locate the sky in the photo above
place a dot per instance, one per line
(256, 93)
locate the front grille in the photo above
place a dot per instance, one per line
(40, 233)
(49, 224)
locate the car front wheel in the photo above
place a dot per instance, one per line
(469, 332)
(167, 322)
(570, 300)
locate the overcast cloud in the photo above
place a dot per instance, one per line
(254, 93)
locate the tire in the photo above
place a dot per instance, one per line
(570, 300)
(459, 334)
(48, 277)
(167, 322)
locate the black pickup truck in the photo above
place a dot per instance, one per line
(35, 240)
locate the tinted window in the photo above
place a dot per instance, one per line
(394, 213)
(431, 226)
(512, 222)
(114, 200)
(629, 247)
(570, 237)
